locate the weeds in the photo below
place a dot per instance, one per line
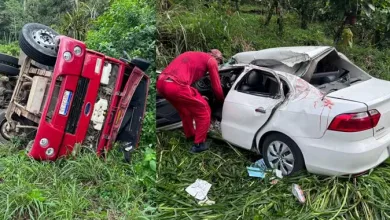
(238, 196)
(84, 188)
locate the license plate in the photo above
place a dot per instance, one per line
(65, 103)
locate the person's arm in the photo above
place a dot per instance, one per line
(212, 67)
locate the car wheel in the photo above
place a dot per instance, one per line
(38, 42)
(8, 70)
(282, 153)
(4, 137)
(9, 60)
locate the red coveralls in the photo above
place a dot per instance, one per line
(174, 84)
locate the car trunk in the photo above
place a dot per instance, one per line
(374, 93)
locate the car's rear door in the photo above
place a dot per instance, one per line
(245, 111)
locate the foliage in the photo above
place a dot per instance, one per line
(238, 196)
(72, 17)
(10, 49)
(70, 189)
(129, 25)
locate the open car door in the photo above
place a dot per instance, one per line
(125, 122)
(249, 104)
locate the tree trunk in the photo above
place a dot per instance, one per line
(280, 19)
(340, 31)
(270, 12)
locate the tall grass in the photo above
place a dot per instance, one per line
(238, 196)
(85, 187)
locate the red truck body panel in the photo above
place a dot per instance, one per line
(80, 84)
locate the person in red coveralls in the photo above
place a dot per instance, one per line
(174, 84)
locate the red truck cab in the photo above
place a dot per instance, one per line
(88, 97)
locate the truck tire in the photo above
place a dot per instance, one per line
(38, 42)
(8, 70)
(9, 60)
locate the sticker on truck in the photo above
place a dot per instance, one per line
(65, 102)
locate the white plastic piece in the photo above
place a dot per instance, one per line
(106, 74)
(199, 189)
(98, 114)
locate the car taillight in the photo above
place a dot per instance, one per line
(354, 122)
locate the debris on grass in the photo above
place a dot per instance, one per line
(298, 193)
(206, 201)
(199, 189)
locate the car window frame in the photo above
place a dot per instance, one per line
(278, 95)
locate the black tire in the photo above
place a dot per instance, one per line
(8, 70)
(299, 162)
(9, 60)
(38, 42)
(3, 120)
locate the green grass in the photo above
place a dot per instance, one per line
(238, 196)
(84, 187)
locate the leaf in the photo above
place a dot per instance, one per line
(372, 7)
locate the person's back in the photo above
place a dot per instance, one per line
(188, 67)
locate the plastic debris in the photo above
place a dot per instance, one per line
(298, 193)
(199, 189)
(255, 172)
(257, 169)
(206, 201)
(278, 173)
(274, 181)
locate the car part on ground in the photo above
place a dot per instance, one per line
(58, 104)
(39, 43)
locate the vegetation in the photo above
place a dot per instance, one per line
(84, 187)
(237, 196)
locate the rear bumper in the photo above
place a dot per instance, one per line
(329, 156)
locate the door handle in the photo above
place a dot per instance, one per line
(260, 110)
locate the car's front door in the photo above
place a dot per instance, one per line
(249, 104)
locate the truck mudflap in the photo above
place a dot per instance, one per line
(80, 79)
(124, 123)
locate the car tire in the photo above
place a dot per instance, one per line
(3, 120)
(9, 60)
(38, 42)
(289, 162)
(8, 70)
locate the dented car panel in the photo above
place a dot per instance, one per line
(307, 95)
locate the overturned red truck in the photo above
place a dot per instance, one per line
(66, 94)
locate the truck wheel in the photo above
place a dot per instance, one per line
(9, 60)
(8, 70)
(37, 41)
(3, 136)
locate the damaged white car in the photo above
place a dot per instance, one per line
(300, 107)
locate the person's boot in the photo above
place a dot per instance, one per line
(197, 148)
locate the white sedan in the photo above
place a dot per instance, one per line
(300, 107)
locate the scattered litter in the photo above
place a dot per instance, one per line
(199, 189)
(274, 181)
(298, 193)
(255, 172)
(206, 201)
(257, 169)
(278, 174)
(261, 164)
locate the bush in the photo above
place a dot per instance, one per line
(10, 49)
(129, 25)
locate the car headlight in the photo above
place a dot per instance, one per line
(77, 50)
(67, 55)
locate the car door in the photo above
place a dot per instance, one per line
(247, 107)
